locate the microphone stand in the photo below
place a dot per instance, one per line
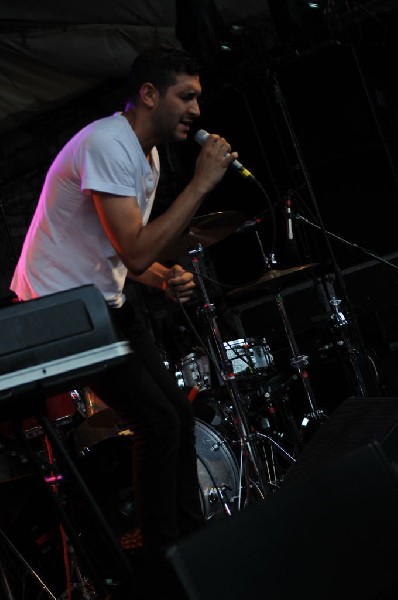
(298, 217)
(338, 319)
(370, 385)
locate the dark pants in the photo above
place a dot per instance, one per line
(165, 480)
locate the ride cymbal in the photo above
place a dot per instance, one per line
(270, 281)
(205, 230)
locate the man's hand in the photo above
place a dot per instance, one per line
(179, 284)
(212, 163)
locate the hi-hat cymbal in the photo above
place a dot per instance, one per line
(205, 230)
(270, 281)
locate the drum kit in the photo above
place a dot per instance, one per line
(252, 437)
(247, 434)
(254, 432)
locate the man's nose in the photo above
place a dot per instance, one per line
(195, 108)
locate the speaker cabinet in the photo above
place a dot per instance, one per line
(329, 533)
(355, 422)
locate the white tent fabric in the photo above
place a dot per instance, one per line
(50, 52)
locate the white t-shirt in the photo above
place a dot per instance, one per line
(66, 245)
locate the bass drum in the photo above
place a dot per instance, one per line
(104, 453)
(217, 471)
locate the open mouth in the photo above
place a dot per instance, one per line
(185, 125)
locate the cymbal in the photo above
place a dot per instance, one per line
(205, 230)
(270, 281)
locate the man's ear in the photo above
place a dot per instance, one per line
(148, 94)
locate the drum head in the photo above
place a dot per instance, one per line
(104, 458)
(217, 471)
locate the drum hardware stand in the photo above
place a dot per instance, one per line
(29, 569)
(274, 433)
(291, 421)
(51, 482)
(254, 435)
(218, 493)
(369, 375)
(248, 450)
(209, 347)
(299, 362)
(72, 567)
(51, 476)
(269, 262)
(282, 451)
(339, 323)
(82, 584)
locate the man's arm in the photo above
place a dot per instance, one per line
(140, 246)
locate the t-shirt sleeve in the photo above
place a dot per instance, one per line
(106, 166)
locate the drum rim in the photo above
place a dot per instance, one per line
(227, 455)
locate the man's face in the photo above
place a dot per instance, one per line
(176, 110)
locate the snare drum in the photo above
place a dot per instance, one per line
(248, 356)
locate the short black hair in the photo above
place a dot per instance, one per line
(160, 65)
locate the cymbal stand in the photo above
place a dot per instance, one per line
(250, 461)
(367, 375)
(340, 326)
(299, 362)
(51, 476)
(57, 468)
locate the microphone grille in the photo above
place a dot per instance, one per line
(201, 136)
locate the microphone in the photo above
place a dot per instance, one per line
(289, 217)
(202, 135)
